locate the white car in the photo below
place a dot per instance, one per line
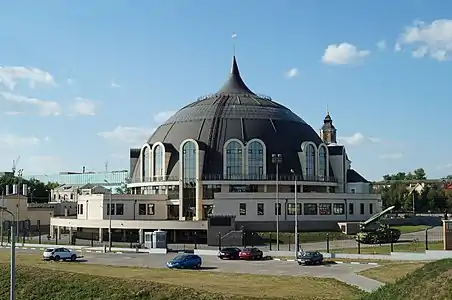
(58, 254)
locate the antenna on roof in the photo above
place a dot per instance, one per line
(234, 36)
(327, 109)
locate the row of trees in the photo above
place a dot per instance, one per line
(427, 197)
(37, 190)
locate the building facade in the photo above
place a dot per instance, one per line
(240, 154)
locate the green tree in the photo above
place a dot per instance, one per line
(37, 190)
(123, 189)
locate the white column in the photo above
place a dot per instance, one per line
(140, 236)
(199, 201)
(101, 236)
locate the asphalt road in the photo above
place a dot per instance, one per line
(342, 272)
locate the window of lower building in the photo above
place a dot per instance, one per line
(291, 209)
(339, 208)
(351, 209)
(310, 209)
(141, 209)
(371, 208)
(151, 209)
(80, 209)
(277, 209)
(110, 210)
(260, 209)
(242, 209)
(361, 208)
(119, 209)
(325, 209)
(252, 188)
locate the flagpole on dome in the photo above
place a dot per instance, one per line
(234, 36)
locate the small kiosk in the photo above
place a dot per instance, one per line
(447, 234)
(156, 241)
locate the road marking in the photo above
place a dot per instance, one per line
(98, 251)
(33, 248)
(355, 263)
(118, 252)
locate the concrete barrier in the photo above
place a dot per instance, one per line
(206, 252)
(157, 251)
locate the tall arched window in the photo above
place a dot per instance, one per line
(158, 162)
(255, 160)
(145, 160)
(189, 163)
(322, 162)
(310, 162)
(234, 161)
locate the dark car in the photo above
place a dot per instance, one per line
(251, 253)
(309, 258)
(229, 253)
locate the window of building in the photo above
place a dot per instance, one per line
(361, 208)
(158, 162)
(260, 209)
(351, 209)
(291, 209)
(234, 160)
(310, 162)
(339, 208)
(242, 209)
(255, 161)
(292, 188)
(145, 163)
(371, 208)
(251, 188)
(353, 191)
(324, 208)
(119, 209)
(322, 162)
(80, 209)
(72, 196)
(141, 209)
(189, 163)
(151, 209)
(110, 210)
(310, 209)
(277, 209)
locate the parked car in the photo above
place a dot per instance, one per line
(185, 261)
(251, 253)
(229, 253)
(309, 258)
(58, 254)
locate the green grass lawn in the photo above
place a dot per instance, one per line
(305, 237)
(38, 280)
(411, 228)
(417, 247)
(433, 281)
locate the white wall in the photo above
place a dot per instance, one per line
(230, 204)
(358, 188)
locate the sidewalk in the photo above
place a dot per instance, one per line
(77, 248)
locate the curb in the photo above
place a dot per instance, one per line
(336, 262)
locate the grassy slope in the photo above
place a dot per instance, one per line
(432, 282)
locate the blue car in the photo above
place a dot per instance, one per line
(185, 261)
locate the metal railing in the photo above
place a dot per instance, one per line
(241, 177)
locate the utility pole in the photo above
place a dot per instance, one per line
(109, 217)
(296, 212)
(277, 159)
(1, 217)
(19, 180)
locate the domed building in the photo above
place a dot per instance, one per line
(241, 154)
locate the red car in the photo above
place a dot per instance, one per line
(251, 253)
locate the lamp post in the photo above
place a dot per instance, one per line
(109, 218)
(12, 275)
(296, 211)
(1, 218)
(19, 176)
(277, 159)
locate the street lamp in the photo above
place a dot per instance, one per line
(277, 159)
(296, 212)
(109, 218)
(12, 276)
(19, 179)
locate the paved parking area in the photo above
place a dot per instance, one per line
(343, 272)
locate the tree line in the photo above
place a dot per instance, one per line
(37, 191)
(427, 197)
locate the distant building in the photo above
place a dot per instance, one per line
(71, 192)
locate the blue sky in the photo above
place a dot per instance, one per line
(83, 81)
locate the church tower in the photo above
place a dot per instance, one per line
(328, 131)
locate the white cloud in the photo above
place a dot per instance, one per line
(9, 140)
(343, 54)
(134, 136)
(291, 73)
(10, 76)
(445, 166)
(163, 116)
(358, 139)
(429, 39)
(84, 107)
(113, 84)
(70, 81)
(13, 113)
(396, 155)
(45, 108)
(381, 45)
(397, 47)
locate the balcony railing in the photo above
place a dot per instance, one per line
(233, 177)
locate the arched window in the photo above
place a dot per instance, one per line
(234, 161)
(189, 163)
(145, 161)
(158, 162)
(310, 162)
(255, 160)
(322, 163)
